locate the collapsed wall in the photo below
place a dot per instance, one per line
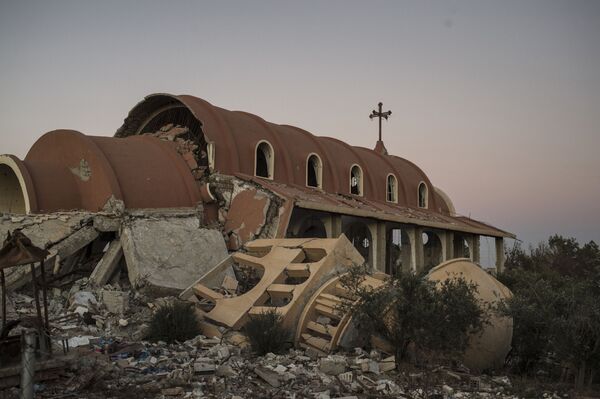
(160, 251)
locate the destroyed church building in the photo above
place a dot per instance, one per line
(254, 178)
(240, 216)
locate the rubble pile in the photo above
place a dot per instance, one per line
(99, 339)
(187, 145)
(151, 248)
(109, 358)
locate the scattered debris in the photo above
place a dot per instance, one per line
(100, 319)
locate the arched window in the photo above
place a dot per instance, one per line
(392, 189)
(314, 171)
(263, 164)
(422, 195)
(356, 183)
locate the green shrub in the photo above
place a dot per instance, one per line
(266, 333)
(410, 310)
(174, 322)
(555, 308)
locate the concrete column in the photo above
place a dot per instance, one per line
(415, 235)
(473, 244)
(476, 251)
(378, 234)
(500, 255)
(28, 363)
(336, 225)
(447, 239)
(326, 220)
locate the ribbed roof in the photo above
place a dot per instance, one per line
(235, 135)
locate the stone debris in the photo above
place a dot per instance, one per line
(153, 248)
(116, 302)
(109, 263)
(333, 365)
(108, 359)
(270, 376)
(100, 318)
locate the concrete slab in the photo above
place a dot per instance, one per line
(246, 217)
(166, 255)
(108, 264)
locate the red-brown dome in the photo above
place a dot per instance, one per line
(235, 135)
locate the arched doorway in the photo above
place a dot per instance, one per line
(359, 235)
(432, 250)
(398, 252)
(461, 246)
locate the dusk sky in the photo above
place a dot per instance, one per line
(498, 102)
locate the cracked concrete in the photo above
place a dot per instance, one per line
(164, 255)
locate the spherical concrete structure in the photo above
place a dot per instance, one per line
(489, 348)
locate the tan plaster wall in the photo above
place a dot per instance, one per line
(488, 349)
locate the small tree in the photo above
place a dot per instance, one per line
(532, 307)
(576, 333)
(555, 306)
(173, 322)
(411, 310)
(267, 333)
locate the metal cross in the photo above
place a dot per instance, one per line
(380, 114)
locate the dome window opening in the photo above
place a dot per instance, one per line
(356, 183)
(392, 189)
(314, 171)
(263, 165)
(422, 194)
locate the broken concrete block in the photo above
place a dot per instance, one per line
(238, 339)
(114, 206)
(246, 217)
(269, 376)
(76, 241)
(177, 391)
(166, 255)
(108, 264)
(230, 284)
(447, 390)
(81, 310)
(47, 232)
(220, 351)
(105, 223)
(333, 365)
(387, 364)
(44, 232)
(83, 298)
(226, 370)
(346, 377)
(116, 302)
(373, 367)
(280, 369)
(364, 364)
